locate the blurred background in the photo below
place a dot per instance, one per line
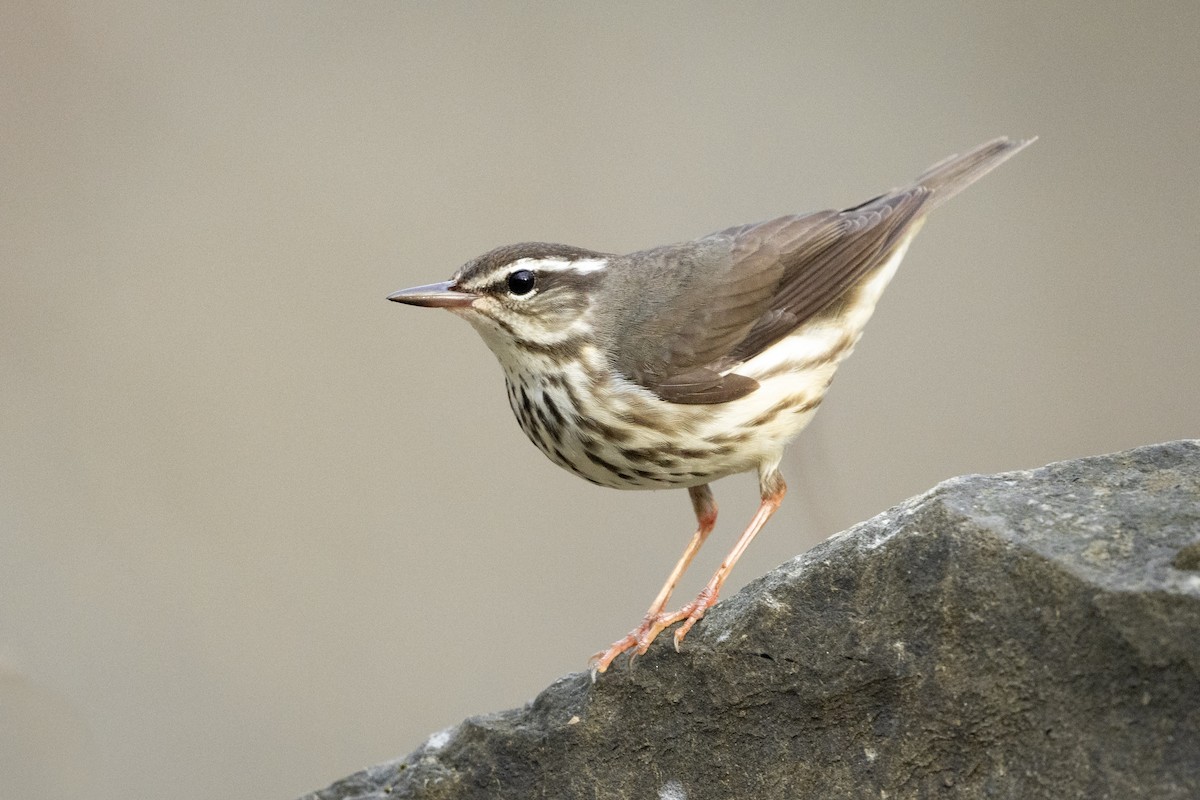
(260, 528)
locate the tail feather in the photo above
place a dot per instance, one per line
(950, 176)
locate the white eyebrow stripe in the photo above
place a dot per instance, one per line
(582, 266)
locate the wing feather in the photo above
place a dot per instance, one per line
(749, 287)
(721, 300)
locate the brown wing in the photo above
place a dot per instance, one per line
(674, 311)
(705, 306)
(737, 292)
(821, 266)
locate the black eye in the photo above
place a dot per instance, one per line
(521, 282)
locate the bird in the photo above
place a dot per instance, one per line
(678, 365)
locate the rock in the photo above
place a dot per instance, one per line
(1023, 635)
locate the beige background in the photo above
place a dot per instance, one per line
(259, 527)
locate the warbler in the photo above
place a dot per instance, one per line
(678, 365)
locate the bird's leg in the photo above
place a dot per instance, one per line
(773, 489)
(706, 518)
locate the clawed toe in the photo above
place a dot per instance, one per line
(600, 661)
(640, 638)
(691, 620)
(644, 635)
(692, 613)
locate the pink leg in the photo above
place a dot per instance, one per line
(773, 490)
(706, 516)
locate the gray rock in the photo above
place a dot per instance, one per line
(1024, 635)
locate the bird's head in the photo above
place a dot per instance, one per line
(526, 297)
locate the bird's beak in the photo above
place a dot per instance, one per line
(435, 295)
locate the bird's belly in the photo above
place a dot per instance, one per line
(620, 435)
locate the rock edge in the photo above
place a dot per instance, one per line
(1021, 635)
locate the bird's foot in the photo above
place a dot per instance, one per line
(640, 637)
(644, 634)
(692, 613)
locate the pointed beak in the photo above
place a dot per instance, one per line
(435, 295)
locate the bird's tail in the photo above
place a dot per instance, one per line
(950, 176)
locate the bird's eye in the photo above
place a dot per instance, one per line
(521, 282)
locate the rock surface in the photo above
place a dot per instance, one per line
(1024, 635)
